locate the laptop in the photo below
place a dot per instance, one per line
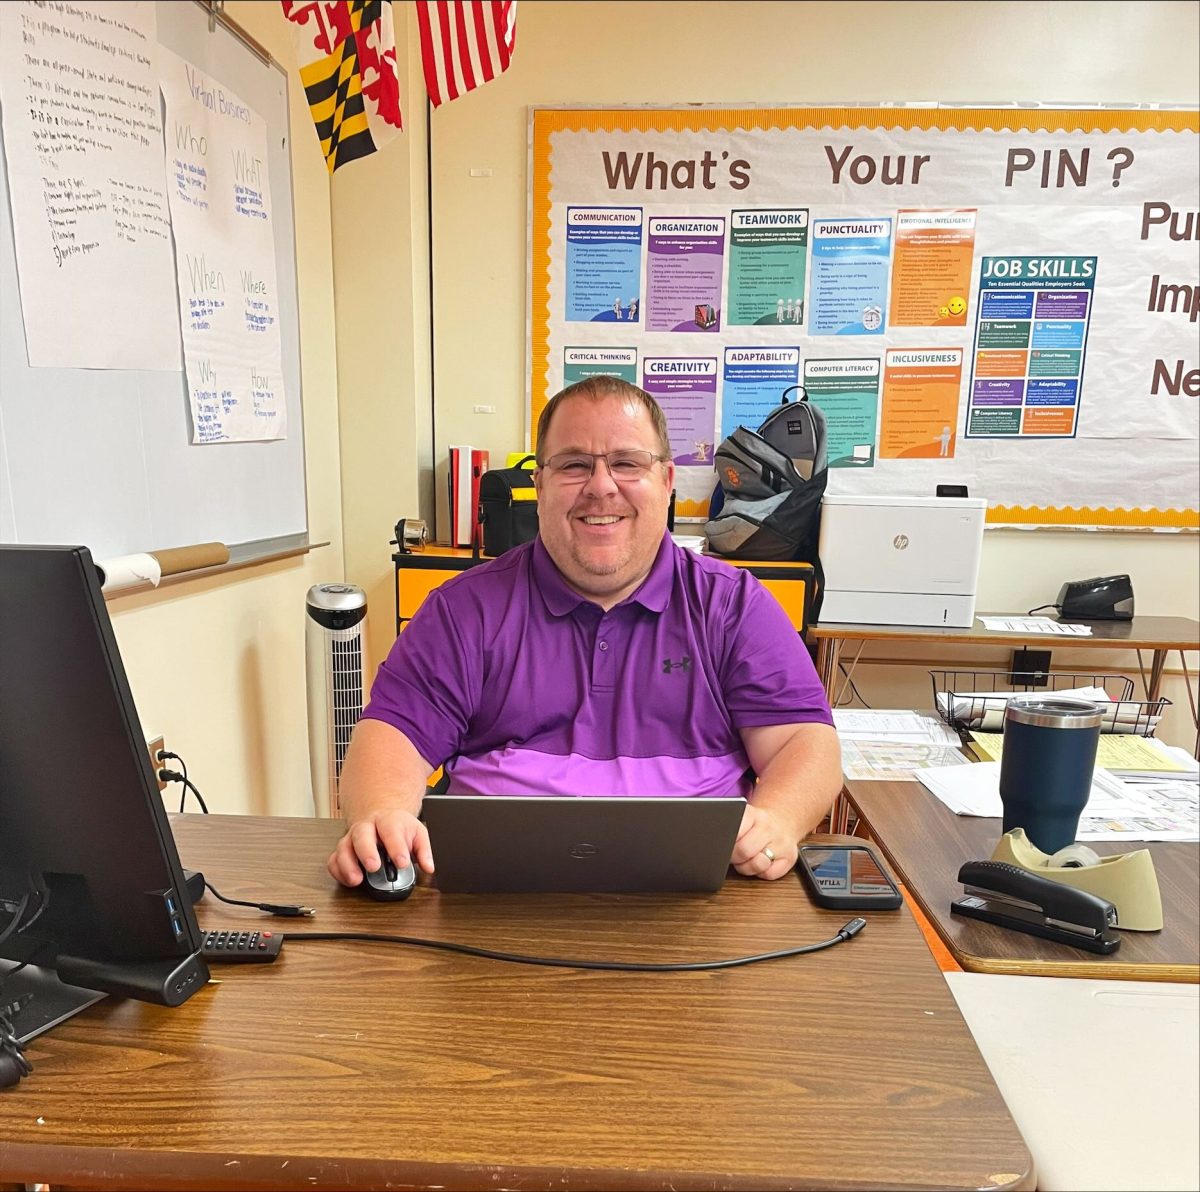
(582, 844)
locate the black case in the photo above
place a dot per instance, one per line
(507, 508)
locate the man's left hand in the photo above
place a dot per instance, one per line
(767, 844)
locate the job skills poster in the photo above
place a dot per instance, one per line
(1030, 338)
(604, 264)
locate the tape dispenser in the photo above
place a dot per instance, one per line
(1127, 880)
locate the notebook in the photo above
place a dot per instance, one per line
(583, 844)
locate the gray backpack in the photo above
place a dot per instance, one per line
(767, 506)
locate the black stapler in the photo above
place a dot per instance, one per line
(1009, 896)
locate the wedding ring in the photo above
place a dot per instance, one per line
(769, 854)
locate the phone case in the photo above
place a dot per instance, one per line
(849, 899)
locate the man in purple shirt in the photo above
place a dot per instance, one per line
(599, 659)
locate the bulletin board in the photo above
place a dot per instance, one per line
(104, 457)
(1001, 298)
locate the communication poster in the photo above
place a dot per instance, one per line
(1001, 298)
(604, 264)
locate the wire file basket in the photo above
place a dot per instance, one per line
(975, 699)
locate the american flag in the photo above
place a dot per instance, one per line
(347, 54)
(464, 44)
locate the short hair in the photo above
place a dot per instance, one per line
(597, 389)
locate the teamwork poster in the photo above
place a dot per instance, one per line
(685, 263)
(686, 388)
(1030, 344)
(849, 276)
(768, 258)
(754, 381)
(581, 363)
(920, 403)
(604, 264)
(931, 272)
(847, 391)
(1001, 298)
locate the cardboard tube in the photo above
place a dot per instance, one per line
(191, 558)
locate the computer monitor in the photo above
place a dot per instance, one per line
(92, 895)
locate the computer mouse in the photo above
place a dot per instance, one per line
(390, 882)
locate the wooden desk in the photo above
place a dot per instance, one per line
(358, 1065)
(927, 843)
(1160, 635)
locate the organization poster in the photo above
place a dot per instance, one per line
(998, 298)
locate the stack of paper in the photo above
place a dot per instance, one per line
(890, 745)
(1132, 757)
(1035, 625)
(1116, 810)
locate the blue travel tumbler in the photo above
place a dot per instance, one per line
(1046, 766)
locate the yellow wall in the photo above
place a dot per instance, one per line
(217, 667)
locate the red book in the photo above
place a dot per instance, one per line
(467, 465)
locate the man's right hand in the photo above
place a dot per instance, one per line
(400, 832)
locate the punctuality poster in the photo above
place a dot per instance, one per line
(999, 298)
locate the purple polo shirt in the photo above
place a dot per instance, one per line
(521, 686)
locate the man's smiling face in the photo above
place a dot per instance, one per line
(602, 533)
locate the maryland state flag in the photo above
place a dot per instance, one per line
(347, 53)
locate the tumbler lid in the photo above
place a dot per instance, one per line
(1054, 711)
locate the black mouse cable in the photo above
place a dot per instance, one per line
(286, 910)
(849, 931)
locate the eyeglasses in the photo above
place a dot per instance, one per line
(574, 467)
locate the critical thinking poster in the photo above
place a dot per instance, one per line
(1002, 299)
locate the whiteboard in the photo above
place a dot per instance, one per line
(103, 458)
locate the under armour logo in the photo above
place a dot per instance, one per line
(685, 663)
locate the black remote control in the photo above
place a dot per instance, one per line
(241, 947)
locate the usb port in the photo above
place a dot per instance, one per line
(170, 904)
(177, 925)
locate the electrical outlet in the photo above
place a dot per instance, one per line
(1030, 668)
(152, 748)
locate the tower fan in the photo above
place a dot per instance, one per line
(335, 641)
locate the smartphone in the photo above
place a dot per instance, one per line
(846, 877)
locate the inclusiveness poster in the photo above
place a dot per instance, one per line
(849, 276)
(604, 264)
(1030, 346)
(754, 382)
(768, 255)
(82, 143)
(686, 388)
(931, 270)
(847, 391)
(685, 259)
(920, 402)
(216, 152)
(581, 363)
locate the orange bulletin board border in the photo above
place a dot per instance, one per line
(545, 122)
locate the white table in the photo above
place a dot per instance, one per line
(1100, 1076)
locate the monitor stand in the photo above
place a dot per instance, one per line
(52, 1001)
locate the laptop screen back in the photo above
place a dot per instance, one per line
(585, 844)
